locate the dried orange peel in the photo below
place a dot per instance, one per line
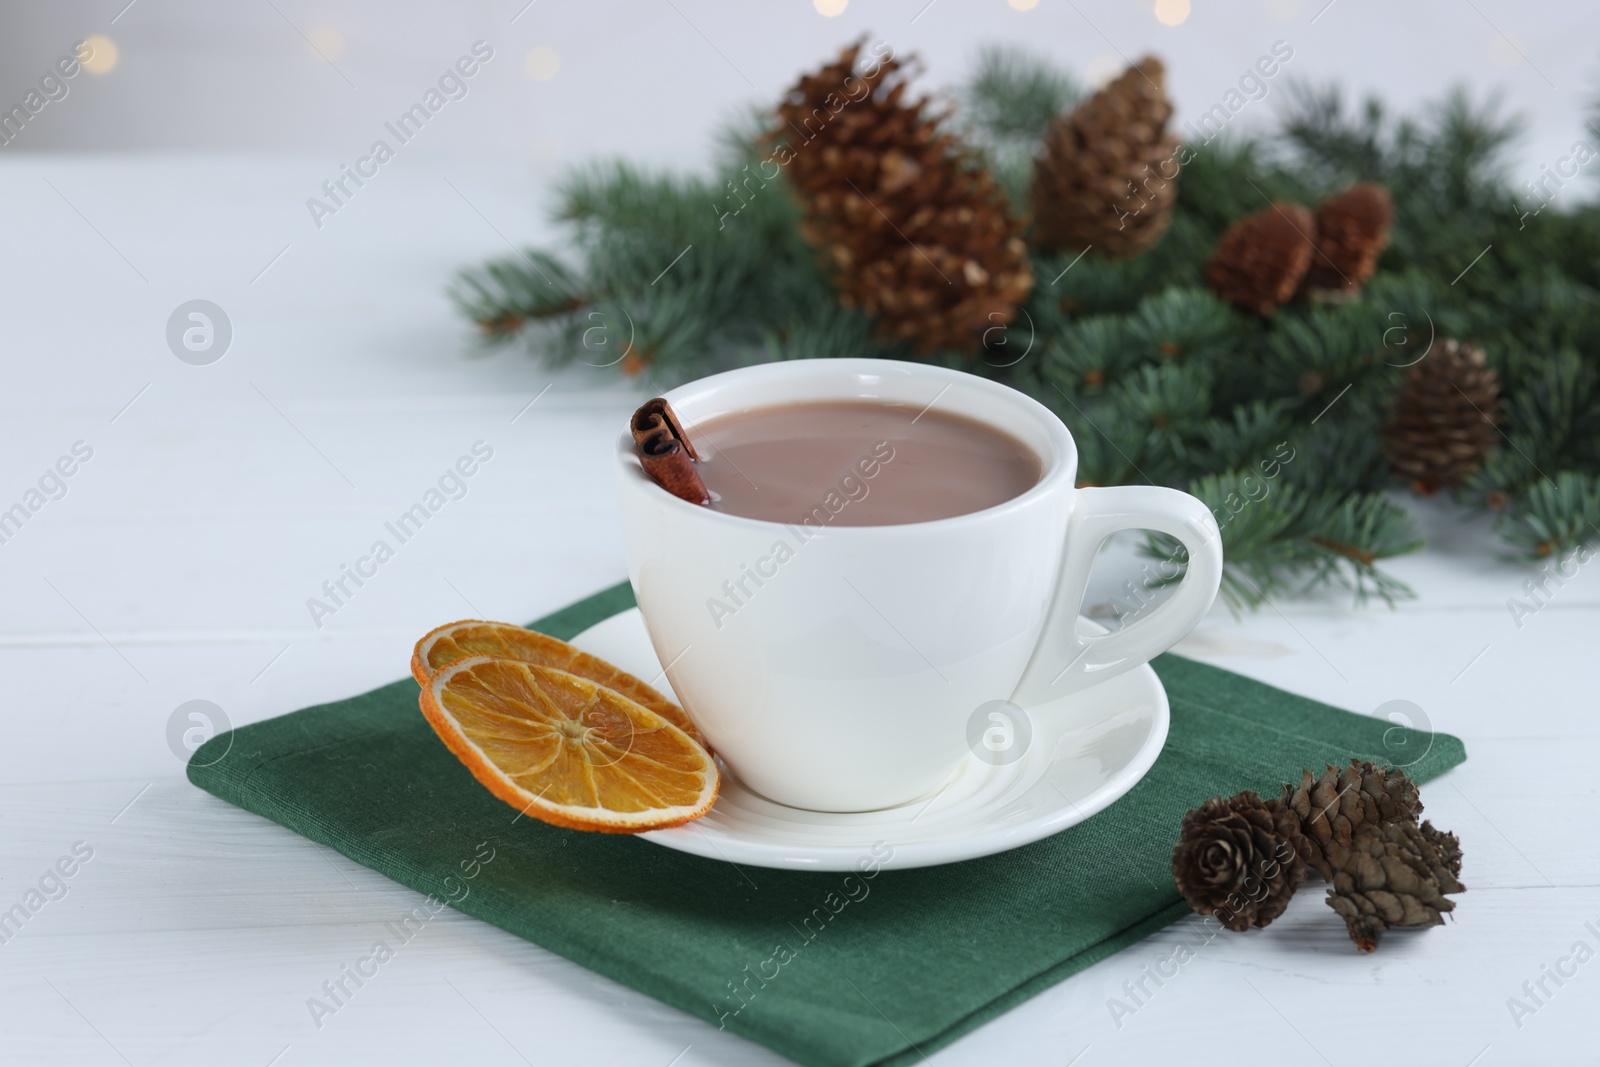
(566, 750)
(455, 641)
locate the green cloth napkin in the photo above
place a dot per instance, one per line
(829, 969)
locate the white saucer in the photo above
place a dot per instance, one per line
(1086, 751)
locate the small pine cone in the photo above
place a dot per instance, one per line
(908, 225)
(1108, 176)
(1442, 425)
(1445, 844)
(1259, 263)
(1352, 231)
(1240, 859)
(1393, 875)
(1333, 807)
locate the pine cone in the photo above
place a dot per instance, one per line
(912, 230)
(1108, 177)
(1442, 425)
(1393, 875)
(1334, 807)
(1240, 859)
(1446, 844)
(1259, 263)
(1352, 231)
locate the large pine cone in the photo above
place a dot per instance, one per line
(1333, 807)
(1442, 425)
(1108, 177)
(912, 230)
(1393, 875)
(1352, 231)
(1240, 859)
(1259, 263)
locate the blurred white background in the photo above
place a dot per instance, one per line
(652, 79)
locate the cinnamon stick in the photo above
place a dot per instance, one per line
(666, 452)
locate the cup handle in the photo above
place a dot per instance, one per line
(1066, 660)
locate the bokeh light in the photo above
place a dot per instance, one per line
(102, 55)
(1172, 12)
(1505, 51)
(542, 64)
(1101, 69)
(544, 151)
(327, 41)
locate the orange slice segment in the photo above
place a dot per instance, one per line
(563, 749)
(472, 637)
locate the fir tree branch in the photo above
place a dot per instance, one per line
(1554, 516)
(1274, 423)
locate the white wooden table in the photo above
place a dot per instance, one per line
(219, 498)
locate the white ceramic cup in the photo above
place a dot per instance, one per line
(853, 657)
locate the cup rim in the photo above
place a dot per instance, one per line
(1059, 467)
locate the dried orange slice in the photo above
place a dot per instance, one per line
(560, 748)
(472, 637)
